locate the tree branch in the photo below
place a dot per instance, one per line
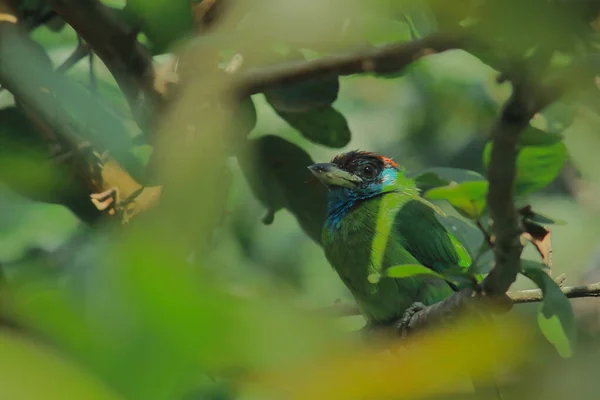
(520, 297)
(382, 60)
(128, 61)
(61, 110)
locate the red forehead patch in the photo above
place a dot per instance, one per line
(389, 161)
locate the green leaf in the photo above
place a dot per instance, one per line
(276, 171)
(555, 317)
(536, 137)
(442, 176)
(541, 158)
(538, 218)
(244, 119)
(374, 278)
(325, 126)
(483, 263)
(55, 377)
(528, 265)
(407, 270)
(380, 32)
(421, 18)
(304, 96)
(163, 21)
(467, 197)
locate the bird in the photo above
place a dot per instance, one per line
(376, 219)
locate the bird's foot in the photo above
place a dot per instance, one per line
(404, 324)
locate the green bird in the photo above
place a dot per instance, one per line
(376, 219)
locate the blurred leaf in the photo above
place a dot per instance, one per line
(55, 377)
(537, 137)
(421, 18)
(278, 175)
(467, 197)
(25, 165)
(555, 317)
(443, 356)
(243, 121)
(325, 126)
(26, 225)
(162, 21)
(142, 153)
(304, 96)
(442, 176)
(540, 160)
(385, 31)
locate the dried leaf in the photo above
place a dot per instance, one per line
(541, 239)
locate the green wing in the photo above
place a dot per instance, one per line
(421, 233)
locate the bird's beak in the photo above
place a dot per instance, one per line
(331, 175)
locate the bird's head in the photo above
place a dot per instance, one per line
(359, 175)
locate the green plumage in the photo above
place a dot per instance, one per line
(415, 237)
(383, 222)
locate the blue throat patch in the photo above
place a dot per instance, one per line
(341, 201)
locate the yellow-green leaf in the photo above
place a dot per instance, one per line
(467, 197)
(24, 362)
(555, 318)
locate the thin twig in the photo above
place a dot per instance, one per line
(82, 50)
(519, 297)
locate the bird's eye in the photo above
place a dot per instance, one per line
(367, 171)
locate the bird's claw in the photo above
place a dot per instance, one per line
(404, 324)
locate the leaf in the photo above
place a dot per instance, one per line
(541, 238)
(243, 120)
(442, 176)
(536, 137)
(442, 355)
(483, 264)
(555, 317)
(540, 159)
(55, 377)
(162, 21)
(380, 31)
(528, 265)
(325, 126)
(420, 17)
(536, 217)
(304, 96)
(276, 171)
(407, 270)
(467, 197)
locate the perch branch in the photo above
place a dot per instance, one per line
(519, 297)
(528, 97)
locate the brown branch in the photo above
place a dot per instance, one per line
(382, 60)
(50, 100)
(519, 297)
(128, 61)
(515, 117)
